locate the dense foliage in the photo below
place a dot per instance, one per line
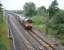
(53, 8)
(57, 18)
(29, 9)
(41, 11)
(56, 21)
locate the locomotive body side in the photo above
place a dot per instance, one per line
(21, 19)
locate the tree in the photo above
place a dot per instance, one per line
(53, 9)
(57, 22)
(1, 9)
(29, 9)
(41, 11)
(1, 13)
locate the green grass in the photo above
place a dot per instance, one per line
(40, 27)
(4, 40)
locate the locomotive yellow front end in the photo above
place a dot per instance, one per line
(28, 24)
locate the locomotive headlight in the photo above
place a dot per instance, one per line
(26, 25)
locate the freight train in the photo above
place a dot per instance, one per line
(26, 22)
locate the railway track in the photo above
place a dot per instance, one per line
(36, 45)
(41, 40)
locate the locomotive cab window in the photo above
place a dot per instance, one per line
(29, 21)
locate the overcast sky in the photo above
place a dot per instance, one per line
(18, 4)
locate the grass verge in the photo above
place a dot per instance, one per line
(4, 40)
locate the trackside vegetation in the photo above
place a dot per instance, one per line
(4, 41)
